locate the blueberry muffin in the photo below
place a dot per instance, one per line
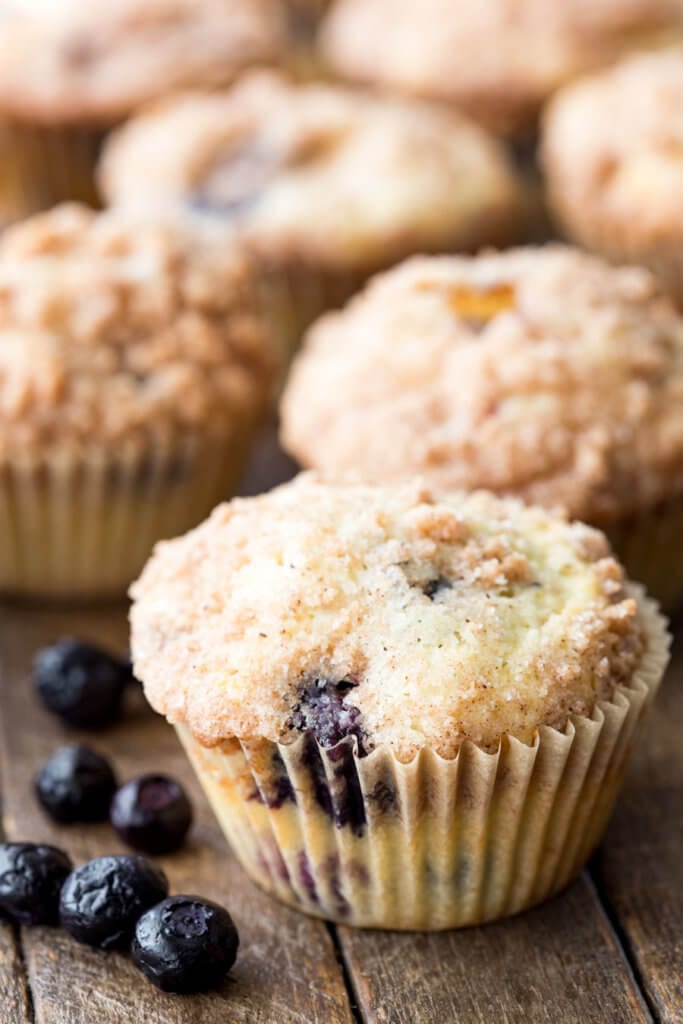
(408, 710)
(495, 59)
(326, 185)
(611, 150)
(68, 72)
(134, 367)
(540, 373)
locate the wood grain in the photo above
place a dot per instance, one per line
(557, 964)
(14, 996)
(287, 971)
(640, 866)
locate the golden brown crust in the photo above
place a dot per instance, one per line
(116, 330)
(524, 49)
(542, 373)
(98, 62)
(439, 618)
(319, 175)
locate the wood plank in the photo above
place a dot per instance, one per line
(640, 867)
(287, 971)
(14, 997)
(557, 964)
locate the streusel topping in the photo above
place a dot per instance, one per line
(99, 61)
(498, 59)
(542, 373)
(117, 329)
(417, 619)
(613, 150)
(319, 172)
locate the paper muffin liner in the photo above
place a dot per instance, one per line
(42, 165)
(82, 525)
(434, 843)
(294, 296)
(651, 548)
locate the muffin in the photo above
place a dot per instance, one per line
(407, 710)
(496, 60)
(325, 185)
(540, 373)
(612, 155)
(134, 367)
(70, 71)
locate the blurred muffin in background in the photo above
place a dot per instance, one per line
(134, 369)
(544, 374)
(326, 185)
(68, 72)
(612, 149)
(495, 59)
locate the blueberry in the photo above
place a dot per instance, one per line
(80, 682)
(185, 944)
(152, 814)
(76, 784)
(31, 877)
(102, 900)
(324, 712)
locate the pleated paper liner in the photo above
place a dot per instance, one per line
(42, 165)
(82, 525)
(433, 843)
(650, 545)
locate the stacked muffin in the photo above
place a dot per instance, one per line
(412, 675)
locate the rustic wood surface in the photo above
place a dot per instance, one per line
(609, 949)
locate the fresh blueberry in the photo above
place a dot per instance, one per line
(185, 944)
(102, 900)
(324, 712)
(152, 814)
(31, 877)
(76, 784)
(80, 682)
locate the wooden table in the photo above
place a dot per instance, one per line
(608, 950)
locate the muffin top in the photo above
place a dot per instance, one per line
(115, 329)
(317, 172)
(75, 61)
(391, 614)
(542, 373)
(612, 147)
(498, 59)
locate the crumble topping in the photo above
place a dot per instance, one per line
(114, 328)
(353, 610)
(541, 373)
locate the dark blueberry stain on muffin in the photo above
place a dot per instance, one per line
(306, 879)
(331, 871)
(235, 181)
(341, 798)
(324, 711)
(437, 586)
(383, 798)
(278, 790)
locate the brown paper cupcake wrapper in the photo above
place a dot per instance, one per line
(42, 165)
(651, 548)
(83, 525)
(434, 843)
